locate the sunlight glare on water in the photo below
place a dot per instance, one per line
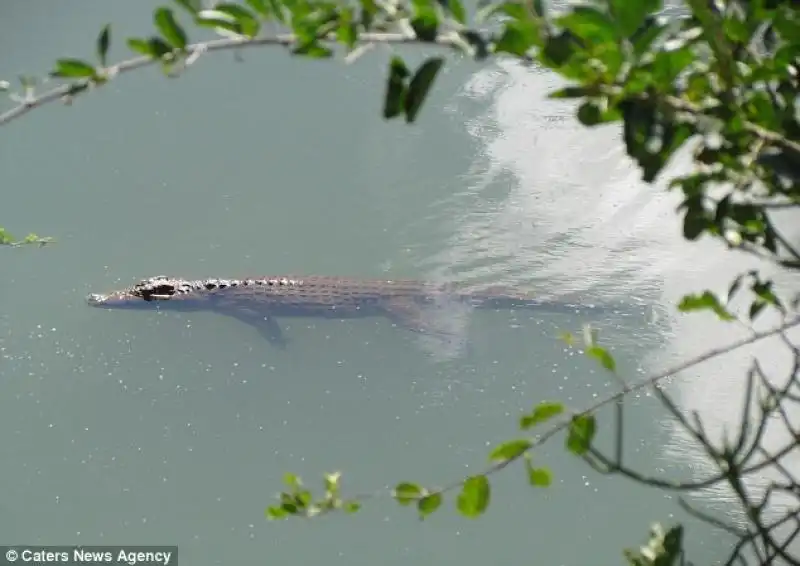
(622, 242)
(535, 153)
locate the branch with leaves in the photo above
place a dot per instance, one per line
(7, 239)
(734, 460)
(580, 427)
(729, 75)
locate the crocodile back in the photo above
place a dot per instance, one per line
(319, 293)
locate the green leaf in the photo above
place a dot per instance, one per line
(734, 287)
(313, 50)
(347, 32)
(456, 9)
(667, 65)
(474, 497)
(247, 22)
(420, 85)
(406, 492)
(644, 125)
(706, 301)
(395, 88)
(332, 482)
(103, 42)
(696, 220)
(510, 450)
(601, 354)
(218, 20)
(429, 504)
(590, 114)
(517, 38)
(569, 92)
(755, 309)
(73, 68)
(276, 512)
(736, 30)
(595, 112)
(35, 238)
(543, 412)
(589, 23)
(650, 30)
(301, 498)
(538, 477)
(581, 433)
(511, 8)
(292, 480)
(368, 10)
(5, 237)
(630, 16)
(765, 293)
(140, 46)
(159, 47)
(478, 43)
(351, 506)
(425, 20)
(170, 28)
(673, 547)
(559, 51)
(191, 6)
(260, 7)
(640, 123)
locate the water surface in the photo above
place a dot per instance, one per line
(176, 429)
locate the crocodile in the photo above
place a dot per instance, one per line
(258, 301)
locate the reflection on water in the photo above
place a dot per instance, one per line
(535, 164)
(559, 204)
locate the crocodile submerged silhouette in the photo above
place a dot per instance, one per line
(259, 301)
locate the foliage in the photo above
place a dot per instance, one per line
(7, 239)
(722, 79)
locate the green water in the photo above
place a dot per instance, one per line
(176, 429)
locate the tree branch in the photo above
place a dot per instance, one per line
(194, 50)
(635, 386)
(774, 138)
(451, 39)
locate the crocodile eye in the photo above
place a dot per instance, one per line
(163, 290)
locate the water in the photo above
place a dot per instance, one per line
(177, 428)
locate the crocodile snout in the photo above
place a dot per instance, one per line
(96, 299)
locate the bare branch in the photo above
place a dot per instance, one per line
(641, 384)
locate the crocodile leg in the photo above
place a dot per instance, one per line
(265, 324)
(407, 314)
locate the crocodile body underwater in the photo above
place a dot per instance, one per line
(259, 301)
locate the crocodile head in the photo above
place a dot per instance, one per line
(155, 290)
(177, 293)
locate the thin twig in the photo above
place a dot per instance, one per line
(706, 518)
(769, 136)
(225, 44)
(449, 39)
(565, 422)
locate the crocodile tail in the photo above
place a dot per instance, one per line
(502, 296)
